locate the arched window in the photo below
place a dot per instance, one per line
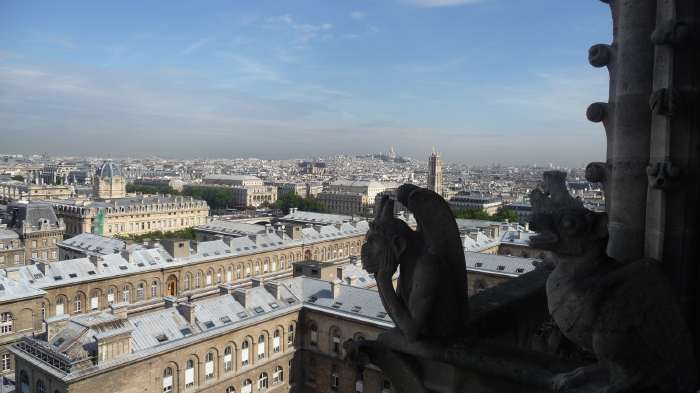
(230, 389)
(209, 366)
(209, 277)
(313, 335)
(140, 291)
(110, 295)
(77, 304)
(247, 386)
(335, 378)
(154, 289)
(219, 276)
(262, 382)
(60, 306)
(188, 280)
(198, 279)
(276, 341)
(95, 299)
(290, 335)
(239, 271)
(126, 292)
(335, 341)
(189, 374)
(6, 323)
(278, 375)
(23, 382)
(40, 387)
(229, 274)
(244, 353)
(261, 346)
(168, 380)
(228, 359)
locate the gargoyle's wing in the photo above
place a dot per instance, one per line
(434, 218)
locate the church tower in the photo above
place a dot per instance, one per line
(435, 173)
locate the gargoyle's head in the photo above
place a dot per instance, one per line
(386, 240)
(564, 226)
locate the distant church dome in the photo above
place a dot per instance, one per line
(109, 170)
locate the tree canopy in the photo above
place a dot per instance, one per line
(289, 200)
(502, 214)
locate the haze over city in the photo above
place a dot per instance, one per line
(297, 79)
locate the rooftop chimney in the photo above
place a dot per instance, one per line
(119, 310)
(186, 309)
(177, 248)
(241, 296)
(273, 288)
(335, 289)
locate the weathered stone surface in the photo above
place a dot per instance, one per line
(625, 313)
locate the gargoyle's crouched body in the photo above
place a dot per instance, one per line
(429, 301)
(625, 313)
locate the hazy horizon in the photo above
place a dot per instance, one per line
(483, 81)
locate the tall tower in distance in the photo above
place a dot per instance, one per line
(435, 172)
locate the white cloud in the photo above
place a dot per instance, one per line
(304, 33)
(358, 15)
(195, 46)
(253, 69)
(439, 3)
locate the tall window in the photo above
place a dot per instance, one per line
(262, 382)
(154, 289)
(43, 311)
(244, 353)
(6, 323)
(139, 291)
(95, 301)
(230, 389)
(6, 362)
(335, 379)
(189, 374)
(229, 274)
(278, 375)
(23, 382)
(168, 380)
(209, 273)
(313, 335)
(125, 294)
(261, 346)
(110, 296)
(198, 279)
(209, 366)
(335, 341)
(359, 386)
(40, 387)
(187, 282)
(228, 359)
(276, 341)
(247, 386)
(77, 304)
(290, 335)
(59, 306)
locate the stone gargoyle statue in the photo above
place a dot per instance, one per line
(429, 298)
(428, 303)
(624, 313)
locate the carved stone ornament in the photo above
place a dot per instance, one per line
(624, 313)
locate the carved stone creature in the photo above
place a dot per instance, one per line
(429, 299)
(626, 314)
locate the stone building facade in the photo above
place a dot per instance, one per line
(31, 233)
(13, 190)
(132, 215)
(348, 203)
(40, 293)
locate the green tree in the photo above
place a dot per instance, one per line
(187, 234)
(151, 189)
(290, 200)
(18, 177)
(216, 197)
(472, 214)
(504, 213)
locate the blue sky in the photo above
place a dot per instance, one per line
(483, 81)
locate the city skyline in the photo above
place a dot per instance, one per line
(303, 79)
